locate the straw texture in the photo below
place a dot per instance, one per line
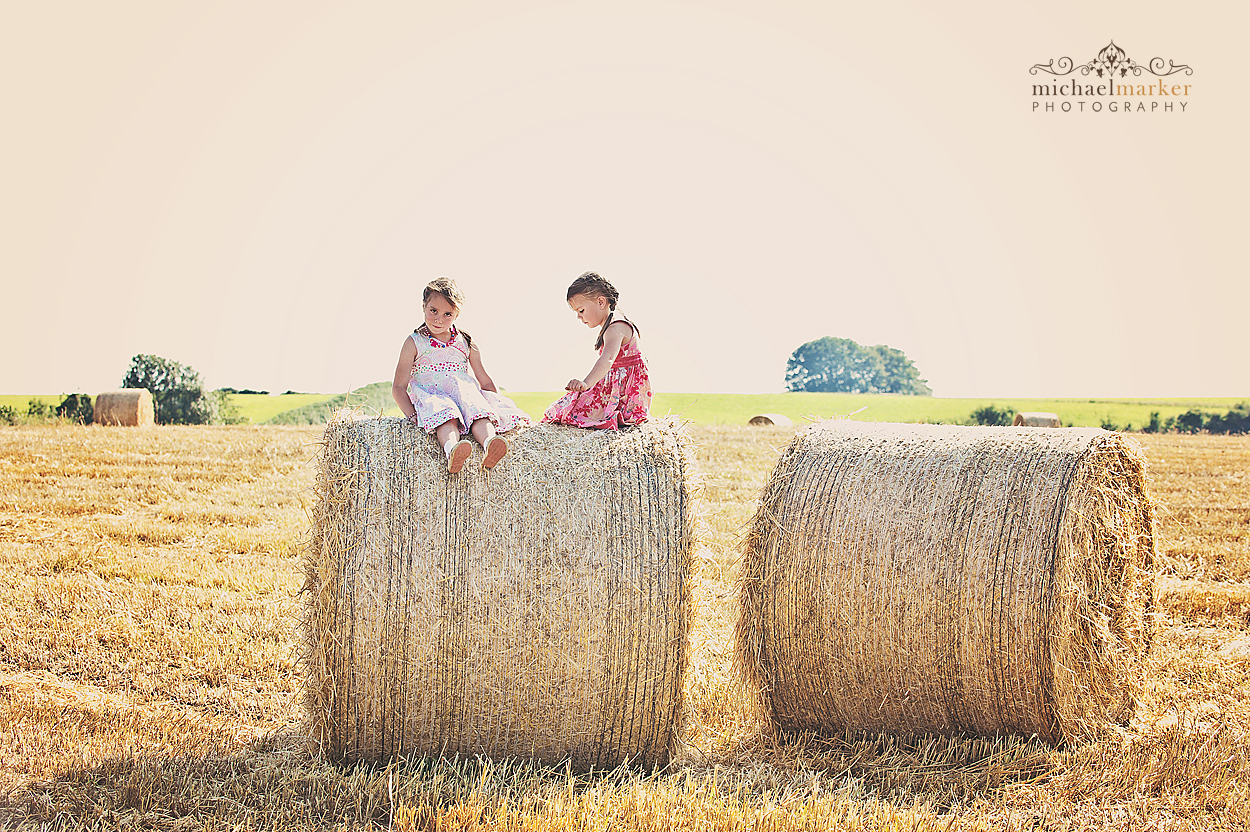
(770, 419)
(132, 407)
(537, 610)
(1036, 419)
(933, 579)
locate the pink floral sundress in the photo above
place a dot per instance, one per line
(619, 399)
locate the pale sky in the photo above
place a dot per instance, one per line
(261, 189)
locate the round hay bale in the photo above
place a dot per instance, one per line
(915, 579)
(132, 407)
(537, 610)
(1037, 419)
(771, 419)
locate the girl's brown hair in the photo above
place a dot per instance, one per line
(592, 285)
(446, 287)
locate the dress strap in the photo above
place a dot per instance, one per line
(615, 316)
(619, 317)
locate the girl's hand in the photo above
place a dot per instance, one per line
(412, 418)
(575, 386)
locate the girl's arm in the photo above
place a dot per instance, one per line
(403, 372)
(613, 340)
(475, 361)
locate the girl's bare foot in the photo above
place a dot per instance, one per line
(496, 448)
(457, 455)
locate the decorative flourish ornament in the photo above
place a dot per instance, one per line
(1111, 61)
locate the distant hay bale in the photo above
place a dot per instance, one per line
(916, 579)
(1037, 420)
(538, 610)
(771, 419)
(132, 407)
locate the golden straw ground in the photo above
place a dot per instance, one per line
(149, 587)
(539, 609)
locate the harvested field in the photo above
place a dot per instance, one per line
(148, 679)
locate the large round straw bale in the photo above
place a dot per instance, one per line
(132, 407)
(536, 610)
(770, 419)
(1036, 419)
(918, 579)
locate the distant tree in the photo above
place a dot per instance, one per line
(228, 413)
(176, 390)
(839, 365)
(1191, 421)
(991, 415)
(898, 373)
(1236, 420)
(77, 408)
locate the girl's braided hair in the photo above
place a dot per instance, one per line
(592, 285)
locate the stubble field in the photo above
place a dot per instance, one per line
(149, 587)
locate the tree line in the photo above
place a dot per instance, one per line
(178, 395)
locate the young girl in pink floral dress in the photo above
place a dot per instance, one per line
(617, 390)
(441, 385)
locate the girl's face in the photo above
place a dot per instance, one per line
(440, 314)
(590, 311)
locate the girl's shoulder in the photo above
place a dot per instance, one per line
(423, 340)
(620, 318)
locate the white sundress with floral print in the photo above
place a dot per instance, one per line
(442, 387)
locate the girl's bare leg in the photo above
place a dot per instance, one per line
(457, 451)
(494, 445)
(483, 430)
(446, 432)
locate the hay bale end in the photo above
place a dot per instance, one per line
(131, 407)
(1036, 419)
(538, 610)
(765, 419)
(915, 579)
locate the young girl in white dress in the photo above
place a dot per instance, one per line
(441, 385)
